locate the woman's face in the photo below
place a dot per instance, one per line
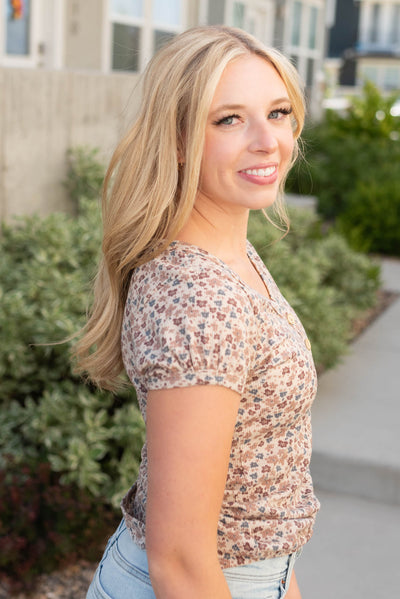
(248, 139)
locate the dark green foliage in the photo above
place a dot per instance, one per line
(45, 525)
(92, 439)
(351, 165)
(373, 210)
(85, 174)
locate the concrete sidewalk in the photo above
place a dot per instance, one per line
(356, 467)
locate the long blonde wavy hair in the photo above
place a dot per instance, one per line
(147, 196)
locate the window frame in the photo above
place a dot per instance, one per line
(303, 52)
(31, 59)
(254, 18)
(147, 27)
(395, 25)
(375, 23)
(296, 36)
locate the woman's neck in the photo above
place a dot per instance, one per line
(221, 233)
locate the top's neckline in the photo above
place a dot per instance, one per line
(252, 256)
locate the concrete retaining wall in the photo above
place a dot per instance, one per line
(42, 114)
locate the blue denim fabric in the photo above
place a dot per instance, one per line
(123, 573)
(266, 579)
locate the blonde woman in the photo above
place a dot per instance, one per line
(222, 367)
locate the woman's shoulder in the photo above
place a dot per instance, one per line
(186, 266)
(187, 276)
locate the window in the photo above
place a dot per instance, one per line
(18, 28)
(253, 16)
(305, 41)
(127, 23)
(126, 42)
(296, 23)
(167, 13)
(238, 15)
(140, 28)
(395, 27)
(374, 27)
(312, 31)
(161, 38)
(127, 8)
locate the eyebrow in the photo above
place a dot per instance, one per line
(224, 107)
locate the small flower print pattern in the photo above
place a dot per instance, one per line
(190, 320)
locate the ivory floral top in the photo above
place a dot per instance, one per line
(191, 320)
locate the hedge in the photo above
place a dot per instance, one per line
(351, 166)
(82, 443)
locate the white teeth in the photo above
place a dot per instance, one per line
(260, 172)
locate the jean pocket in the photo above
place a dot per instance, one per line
(96, 590)
(130, 558)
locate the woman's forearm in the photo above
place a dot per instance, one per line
(186, 484)
(174, 577)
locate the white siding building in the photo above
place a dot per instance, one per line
(378, 48)
(69, 69)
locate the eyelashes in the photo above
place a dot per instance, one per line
(224, 119)
(285, 111)
(274, 115)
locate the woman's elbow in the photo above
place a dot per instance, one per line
(166, 561)
(181, 564)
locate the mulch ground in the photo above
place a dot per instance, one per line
(70, 583)
(385, 299)
(73, 581)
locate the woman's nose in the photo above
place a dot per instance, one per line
(263, 138)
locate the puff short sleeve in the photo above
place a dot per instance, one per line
(186, 324)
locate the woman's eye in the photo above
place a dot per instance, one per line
(227, 120)
(280, 113)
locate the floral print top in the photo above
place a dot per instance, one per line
(191, 320)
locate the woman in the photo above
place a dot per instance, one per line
(222, 367)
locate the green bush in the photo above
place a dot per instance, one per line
(92, 439)
(351, 159)
(372, 212)
(85, 173)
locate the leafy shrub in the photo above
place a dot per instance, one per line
(44, 525)
(92, 439)
(85, 173)
(348, 160)
(371, 221)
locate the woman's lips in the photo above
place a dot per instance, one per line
(260, 175)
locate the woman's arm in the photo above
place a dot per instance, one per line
(189, 434)
(293, 591)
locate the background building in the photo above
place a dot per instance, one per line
(364, 43)
(69, 71)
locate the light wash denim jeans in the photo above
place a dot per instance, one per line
(123, 574)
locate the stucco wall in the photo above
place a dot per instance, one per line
(42, 114)
(84, 23)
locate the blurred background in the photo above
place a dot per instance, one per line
(69, 88)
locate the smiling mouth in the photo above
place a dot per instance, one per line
(260, 172)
